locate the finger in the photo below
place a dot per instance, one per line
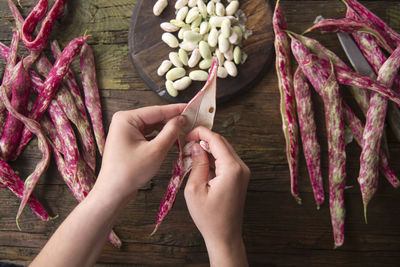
(198, 177)
(216, 143)
(143, 117)
(169, 134)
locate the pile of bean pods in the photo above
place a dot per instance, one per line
(204, 29)
(58, 103)
(325, 71)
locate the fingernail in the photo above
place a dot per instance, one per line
(195, 150)
(181, 120)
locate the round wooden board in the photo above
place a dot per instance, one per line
(148, 51)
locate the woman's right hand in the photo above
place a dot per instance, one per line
(216, 202)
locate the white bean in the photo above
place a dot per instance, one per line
(182, 83)
(234, 37)
(231, 9)
(183, 56)
(220, 57)
(237, 55)
(213, 37)
(177, 23)
(223, 44)
(164, 67)
(222, 73)
(188, 46)
(159, 7)
(194, 58)
(204, 27)
(202, 8)
(211, 8)
(192, 3)
(196, 23)
(181, 14)
(205, 51)
(229, 54)
(175, 73)
(191, 36)
(231, 68)
(169, 85)
(170, 40)
(205, 63)
(198, 75)
(168, 27)
(176, 61)
(220, 9)
(180, 3)
(226, 28)
(192, 15)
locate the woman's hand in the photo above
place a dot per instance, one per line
(216, 205)
(129, 159)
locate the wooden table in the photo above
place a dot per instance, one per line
(277, 231)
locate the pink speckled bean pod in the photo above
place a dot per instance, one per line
(368, 15)
(64, 99)
(10, 179)
(357, 127)
(42, 165)
(317, 48)
(325, 84)
(70, 82)
(33, 19)
(12, 131)
(50, 86)
(288, 104)
(309, 139)
(92, 97)
(368, 177)
(350, 26)
(337, 155)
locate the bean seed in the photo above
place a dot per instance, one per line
(213, 37)
(237, 55)
(180, 3)
(177, 23)
(204, 27)
(174, 58)
(182, 83)
(223, 44)
(192, 15)
(191, 36)
(181, 14)
(222, 73)
(230, 68)
(198, 75)
(211, 8)
(229, 54)
(239, 32)
(232, 8)
(226, 28)
(164, 67)
(188, 46)
(202, 8)
(170, 40)
(175, 73)
(220, 57)
(159, 7)
(205, 63)
(194, 58)
(168, 27)
(234, 37)
(169, 85)
(219, 9)
(192, 3)
(204, 50)
(183, 56)
(196, 23)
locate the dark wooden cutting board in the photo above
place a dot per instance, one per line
(148, 51)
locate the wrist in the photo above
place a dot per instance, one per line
(230, 252)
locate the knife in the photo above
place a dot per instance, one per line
(361, 65)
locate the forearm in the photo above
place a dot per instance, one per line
(81, 237)
(232, 254)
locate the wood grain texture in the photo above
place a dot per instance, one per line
(148, 50)
(277, 231)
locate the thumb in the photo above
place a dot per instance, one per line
(168, 135)
(198, 177)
